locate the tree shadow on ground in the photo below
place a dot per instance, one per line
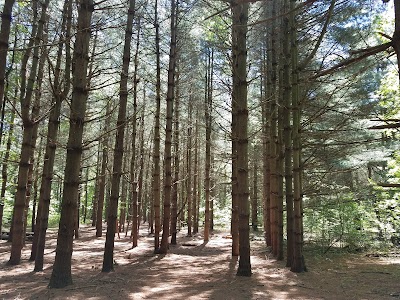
(196, 270)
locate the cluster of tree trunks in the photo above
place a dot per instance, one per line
(281, 104)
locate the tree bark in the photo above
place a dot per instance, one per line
(174, 200)
(208, 120)
(6, 18)
(189, 170)
(156, 180)
(61, 275)
(19, 217)
(133, 179)
(298, 264)
(103, 175)
(239, 92)
(168, 132)
(108, 258)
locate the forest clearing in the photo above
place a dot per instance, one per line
(197, 270)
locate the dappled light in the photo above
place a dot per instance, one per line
(199, 271)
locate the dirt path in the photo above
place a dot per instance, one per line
(194, 270)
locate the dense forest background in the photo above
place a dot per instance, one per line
(165, 112)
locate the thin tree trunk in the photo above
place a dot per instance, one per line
(124, 189)
(141, 162)
(61, 275)
(254, 202)
(168, 133)
(208, 120)
(156, 182)
(84, 210)
(4, 171)
(239, 91)
(96, 188)
(195, 176)
(133, 180)
(189, 171)
(235, 200)
(174, 202)
(103, 175)
(34, 116)
(108, 258)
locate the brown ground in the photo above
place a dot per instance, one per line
(193, 270)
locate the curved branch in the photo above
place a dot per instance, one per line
(307, 60)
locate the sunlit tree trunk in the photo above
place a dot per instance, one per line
(108, 258)
(168, 132)
(239, 92)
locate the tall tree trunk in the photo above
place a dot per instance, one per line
(298, 264)
(124, 189)
(273, 158)
(96, 188)
(34, 116)
(6, 18)
(189, 170)
(133, 179)
(84, 208)
(195, 176)
(235, 200)
(168, 132)
(156, 180)
(266, 113)
(108, 258)
(174, 200)
(5, 86)
(287, 134)
(35, 214)
(103, 174)
(254, 202)
(19, 217)
(239, 91)
(208, 120)
(61, 275)
(141, 162)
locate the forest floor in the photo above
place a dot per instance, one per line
(195, 270)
